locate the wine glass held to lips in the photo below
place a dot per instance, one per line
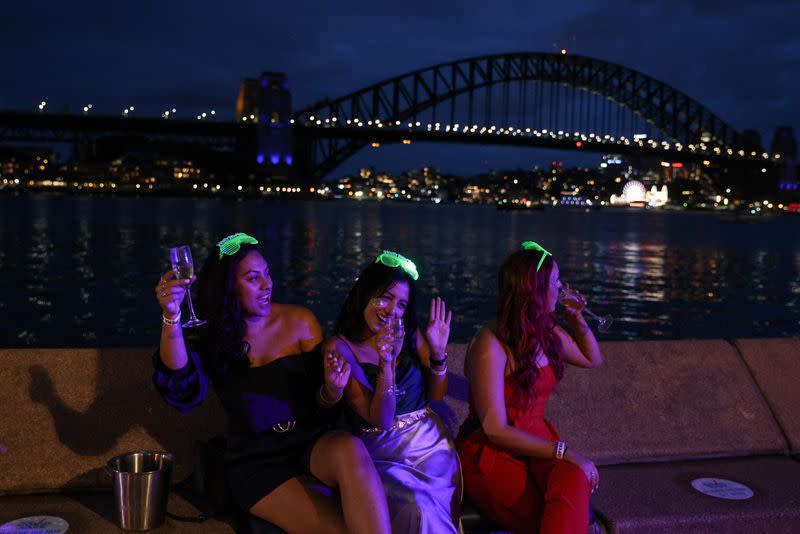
(181, 260)
(572, 299)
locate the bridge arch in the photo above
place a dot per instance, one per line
(438, 89)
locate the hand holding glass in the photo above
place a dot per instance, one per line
(181, 260)
(570, 298)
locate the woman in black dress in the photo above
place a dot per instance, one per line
(262, 359)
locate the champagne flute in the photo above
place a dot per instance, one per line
(398, 327)
(570, 298)
(181, 260)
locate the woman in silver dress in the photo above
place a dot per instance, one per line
(396, 369)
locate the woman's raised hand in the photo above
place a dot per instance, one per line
(170, 293)
(438, 331)
(337, 372)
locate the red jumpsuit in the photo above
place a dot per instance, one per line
(542, 495)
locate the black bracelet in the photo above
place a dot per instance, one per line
(439, 363)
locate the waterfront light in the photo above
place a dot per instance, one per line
(86, 109)
(42, 105)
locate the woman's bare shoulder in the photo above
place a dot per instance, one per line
(485, 343)
(292, 311)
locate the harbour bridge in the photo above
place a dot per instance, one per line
(551, 100)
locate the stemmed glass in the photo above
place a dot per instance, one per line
(570, 298)
(181, 260)
(398, 327)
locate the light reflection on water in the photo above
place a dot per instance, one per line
(79, 271)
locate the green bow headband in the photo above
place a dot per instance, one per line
(393, 259)
(231, 244)
(533, 245)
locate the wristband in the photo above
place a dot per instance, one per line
(324, 399)
(171, 321)
(561, 448)
(440, 371)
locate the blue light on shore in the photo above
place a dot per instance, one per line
(288, 159)
(275, 159)
(260, 158)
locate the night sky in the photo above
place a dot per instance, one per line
(739, 58)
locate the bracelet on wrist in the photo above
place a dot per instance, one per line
(560, 449)
(171, 321)
(439, 371)
(389, 391)
(323, 398)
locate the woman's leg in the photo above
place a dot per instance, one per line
(299, 506)
(501, 486)
(340, 460)
(566, 496)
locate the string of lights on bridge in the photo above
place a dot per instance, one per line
(128, 111)
(579, 137)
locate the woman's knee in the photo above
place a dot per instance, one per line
(348, 452)
(567, 478)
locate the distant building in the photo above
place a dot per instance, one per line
(267, 101)
(785, 144)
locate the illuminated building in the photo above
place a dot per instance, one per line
(633, 194)
(268, 102)
(784, 143)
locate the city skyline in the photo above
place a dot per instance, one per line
(735, 58)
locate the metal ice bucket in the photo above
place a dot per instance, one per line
(141, 487)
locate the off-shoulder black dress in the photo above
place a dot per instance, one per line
(274, 419)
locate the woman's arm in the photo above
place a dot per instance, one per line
(486, 363)
(582, 350)
(311, 331)
(170, 293)
(376, 406)
(437, 375)
(431, 348)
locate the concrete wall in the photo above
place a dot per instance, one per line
(65, 412)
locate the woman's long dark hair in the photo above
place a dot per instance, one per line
(523, 321)
(375, 279)
(222, 339)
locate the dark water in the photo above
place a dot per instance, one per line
(80, 271)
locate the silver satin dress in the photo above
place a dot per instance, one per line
(415, 458)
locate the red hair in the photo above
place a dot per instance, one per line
(523, 321)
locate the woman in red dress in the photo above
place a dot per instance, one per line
(517, 470)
